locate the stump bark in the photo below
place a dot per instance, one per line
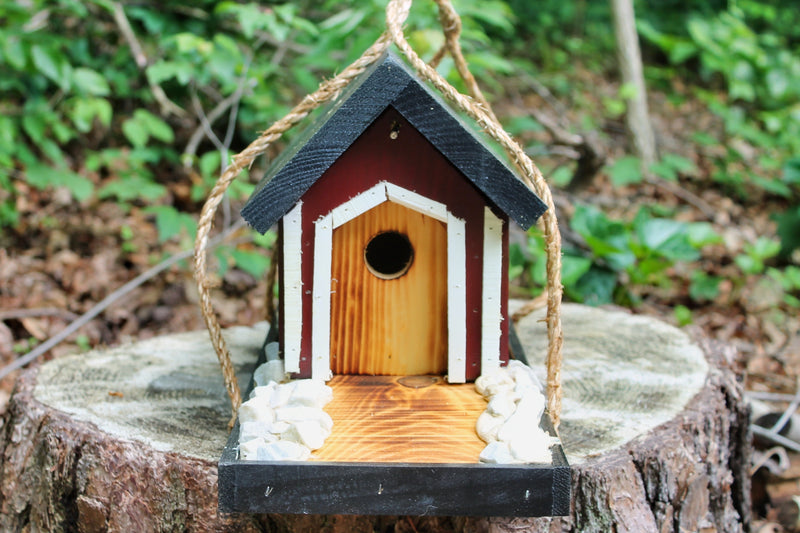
(127, 439)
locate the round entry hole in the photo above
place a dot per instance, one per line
(389, 255)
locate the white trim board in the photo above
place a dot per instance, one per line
(456, 273)
(492, 290)
(321, 299)
(456, 300)
(358, 205)
(292, 287)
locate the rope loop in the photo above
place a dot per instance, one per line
(474, 105)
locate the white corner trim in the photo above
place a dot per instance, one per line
(321, 299)
(456, 300)
(292, 287)
(492, 287)
(417, 202)
(359, 204)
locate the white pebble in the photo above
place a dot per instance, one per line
(518, 368)
(487, 426)
(264, 390)
(503, 404)
(256, 409)
(510, 423)
(281, 394)
(302, 413)
(306, 432)
(493, 383)
(497, 453)
(248, 450)
(523, 423)
(254, 429)
(311, 393)
(271, 371)
(532, 448)
(283, 450)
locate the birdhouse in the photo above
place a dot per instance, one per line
(393, 221)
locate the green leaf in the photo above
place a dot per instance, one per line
(135, 132)
(748, 264)
(42, 176)
(789, 230)
(266, 241)
(763, 248)
(791, 171)
(596, 287)
(573, 268)
(254, 263)
(608, 239)
(39, 175)
(210, 164)
(80, 187)
(84, 111)
(51, 64)
(155, 126)
(34, 125)
(90, 82)
(14, 52)
(161, 71)
(132, 187)
(170, 222)
(702, 234)
(703, 287)
(625, 171)
(665, 237)
(683, 315)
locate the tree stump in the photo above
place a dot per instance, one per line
(128, 439)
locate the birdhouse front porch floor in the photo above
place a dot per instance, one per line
(392, 419)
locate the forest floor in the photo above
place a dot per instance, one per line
(64, 257)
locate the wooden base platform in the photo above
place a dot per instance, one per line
(400, 445)
(378, 419)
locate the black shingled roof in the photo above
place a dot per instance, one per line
(388, 82)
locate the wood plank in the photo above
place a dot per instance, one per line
(376, 419)
(457, 319)
(292, 287)
(493, 274)
(320, 330)
(389, 326)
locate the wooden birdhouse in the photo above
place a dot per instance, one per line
(393, 220)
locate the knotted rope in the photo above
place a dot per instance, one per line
(474, 106)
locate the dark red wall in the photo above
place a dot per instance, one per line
(411, 162)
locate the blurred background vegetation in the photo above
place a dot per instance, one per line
(117, 117)
(127, 112)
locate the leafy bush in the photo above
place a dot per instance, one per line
(617, 255)
(753, 48)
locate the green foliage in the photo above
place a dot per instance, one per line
(752, 49)
(618, 255)
(171, 222)
(752, 261)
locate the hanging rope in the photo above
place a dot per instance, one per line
(474, 106)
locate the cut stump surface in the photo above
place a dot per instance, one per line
(127, 439)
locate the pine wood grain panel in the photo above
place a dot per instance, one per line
(389, 326)
(375, 419)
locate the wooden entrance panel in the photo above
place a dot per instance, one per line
(394, 326)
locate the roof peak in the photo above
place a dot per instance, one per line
(388, 82)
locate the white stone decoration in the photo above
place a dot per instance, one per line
(510, 423)
(283, 420)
